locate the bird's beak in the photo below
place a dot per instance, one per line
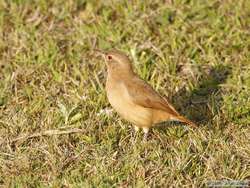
(99, 52)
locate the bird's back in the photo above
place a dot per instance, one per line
(143, 94)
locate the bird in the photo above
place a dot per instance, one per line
(133, 98)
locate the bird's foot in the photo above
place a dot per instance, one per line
(145, 137)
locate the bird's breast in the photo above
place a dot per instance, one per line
(122, 102)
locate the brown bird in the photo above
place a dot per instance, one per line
(134, 99)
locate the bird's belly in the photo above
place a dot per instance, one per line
(128, 110)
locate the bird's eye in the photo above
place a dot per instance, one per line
(109, 57)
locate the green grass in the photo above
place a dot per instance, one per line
(195, 52)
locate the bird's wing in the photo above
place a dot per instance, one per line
(144, 95)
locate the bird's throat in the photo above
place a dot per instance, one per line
(118, 73)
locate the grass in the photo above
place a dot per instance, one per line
(54, 129)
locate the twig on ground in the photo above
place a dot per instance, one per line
(45, 133)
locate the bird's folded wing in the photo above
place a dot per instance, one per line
(144, 95)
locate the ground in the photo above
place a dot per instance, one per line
(56, 127)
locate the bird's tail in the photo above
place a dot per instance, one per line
(185, 120)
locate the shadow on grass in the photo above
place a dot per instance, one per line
(203, 103)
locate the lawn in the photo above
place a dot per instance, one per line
(56, 126)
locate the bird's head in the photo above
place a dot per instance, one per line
(117, 61)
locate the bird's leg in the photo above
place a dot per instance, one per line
(145, 130)
(136, 129)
